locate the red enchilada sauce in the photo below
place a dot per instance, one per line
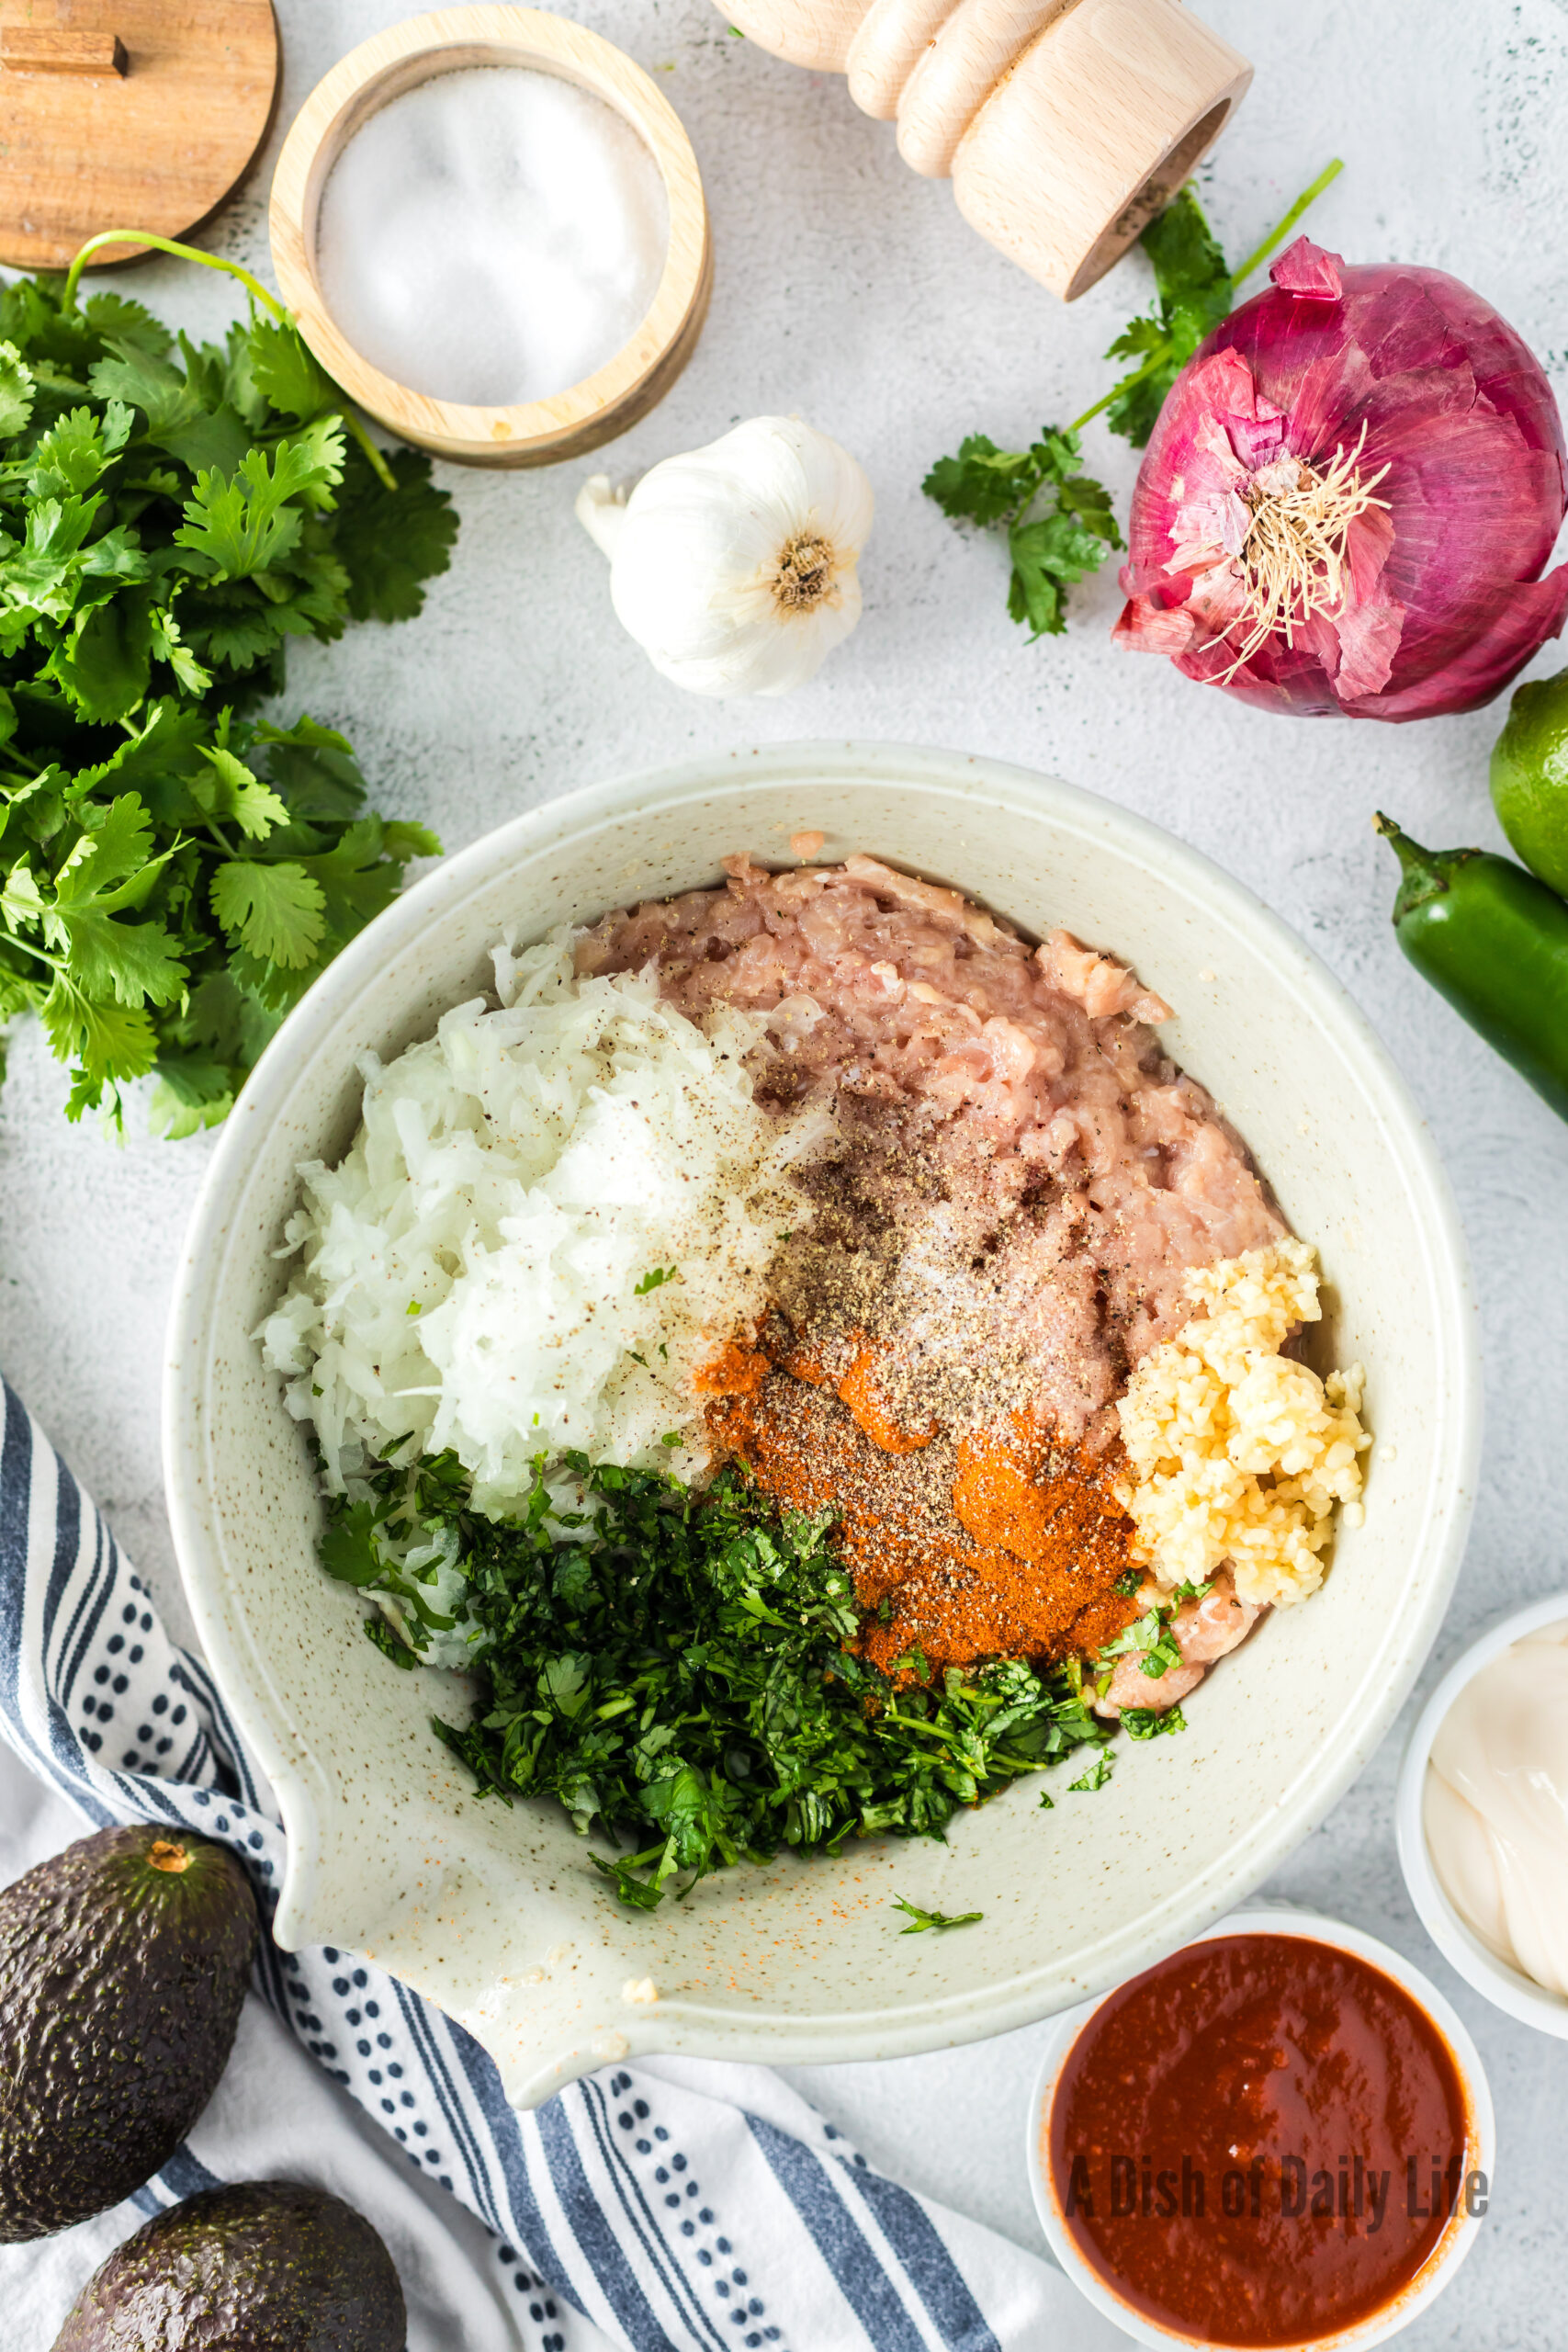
(1260, 2141)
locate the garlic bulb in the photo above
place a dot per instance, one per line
(734, 566)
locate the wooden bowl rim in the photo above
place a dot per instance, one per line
(531, 36)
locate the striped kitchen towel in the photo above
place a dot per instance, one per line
(670, 2204)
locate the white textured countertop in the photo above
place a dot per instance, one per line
(851, 290)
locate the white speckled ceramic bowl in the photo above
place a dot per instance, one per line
(1507, 1986)
(496, 1914)
(1457, 2237)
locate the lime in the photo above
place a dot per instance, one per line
(1529, 777)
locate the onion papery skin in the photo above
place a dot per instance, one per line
(1445, 603)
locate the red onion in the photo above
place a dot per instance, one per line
(1350, 493)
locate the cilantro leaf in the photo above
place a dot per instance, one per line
(115, 319)
(1151, 1722)
(246, 525)
(1096, 1775)
(279, 912)
(102, 659)
(168, 645)
(192, 1093)
(142, 378)
(73, 453)
(1193, 291)
(216, 440)
(107, 1042)
(922, 1919)
(391, 542)
(234, 793)
(982, 484)
(347, 1548)
(116, 842)
(286, 372)
(133, 963)
(17, 382)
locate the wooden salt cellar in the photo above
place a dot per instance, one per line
(125, 114)
(539, 432)
(1066, 125)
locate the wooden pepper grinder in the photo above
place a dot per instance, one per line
(1065, 124)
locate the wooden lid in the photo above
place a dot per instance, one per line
(140, 114)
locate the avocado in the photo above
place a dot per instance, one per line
(123, 1964)
(263, 2266)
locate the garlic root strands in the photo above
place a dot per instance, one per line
(735, 566)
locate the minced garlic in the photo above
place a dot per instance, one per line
(1240, 1453)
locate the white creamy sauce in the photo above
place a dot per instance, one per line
(1496, 1806)
(491, 237)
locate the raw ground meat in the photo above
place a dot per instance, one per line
(1025, 1177)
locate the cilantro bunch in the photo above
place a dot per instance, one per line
(174, 870)
(672, 1668)
(1057, 540)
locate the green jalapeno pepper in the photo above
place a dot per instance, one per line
(1493, 940)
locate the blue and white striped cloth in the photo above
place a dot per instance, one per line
(669, 2206)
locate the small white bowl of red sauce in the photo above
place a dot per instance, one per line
(1508, 1750)
(1279, 2139)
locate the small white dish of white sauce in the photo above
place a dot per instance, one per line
(1482, 1815)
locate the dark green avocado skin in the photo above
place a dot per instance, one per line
(265, 2265)
(120, 1986)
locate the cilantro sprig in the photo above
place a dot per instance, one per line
(1059, 520)
(174, 870)
(672, 1668)
(1194, 290)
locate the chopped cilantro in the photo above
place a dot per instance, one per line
(653, 1281)
(1151, 1722)
(1096, 1775)
(923, 1919)
(377, 1629)
(1149, 1638)
(1163, 1654)
(671, 1666)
